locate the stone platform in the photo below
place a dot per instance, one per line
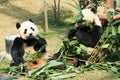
(6, 55)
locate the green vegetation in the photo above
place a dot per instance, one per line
(19, 10)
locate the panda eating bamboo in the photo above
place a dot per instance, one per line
(84, 34)
(27, 41)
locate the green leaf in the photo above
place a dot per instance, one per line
(83, 47)
(76, 6)
(9, 78)
(109, 18)
(78, 50)
(77, 17)
(119, 29)
(2, 58)
(114, 69)
(117, 3)
(115, 23)
(53, 63)
(64, 76)
(90, 24)
(110, 15)
(38, 71)
(5, 69)
(34, 56)
(105, 46)
(50, 64)
(118, 53)
(114, 32)
(73, 42)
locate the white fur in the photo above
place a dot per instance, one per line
(27, 25)
(89, 15)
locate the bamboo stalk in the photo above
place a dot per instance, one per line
(100, 49)
(94, 55)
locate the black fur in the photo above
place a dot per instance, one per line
(17, 51)
(88, 37)
(17, 25)
(94, 10)
(31, 20)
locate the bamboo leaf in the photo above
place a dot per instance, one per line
(56, 74)
(90, 24)
(32, 72)
(115, 22)
(114, 32)
(114, 69)
(73, 42)
(78, 50)
(105, 46)
(77, 17)
(6, 69)
(118, 53)
(117, 3)
(119, 29)
(53, 63)
(50, 64)
(83, 47)
(64, 76)
(110, 15)
(76, 6)
(38, 71)
(2, 58)
(9, 78)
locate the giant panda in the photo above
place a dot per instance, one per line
(84, 34)
(26, 41)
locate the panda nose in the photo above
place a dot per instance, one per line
(30, 34)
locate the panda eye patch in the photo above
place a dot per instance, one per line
(25, 31)
(32, 29)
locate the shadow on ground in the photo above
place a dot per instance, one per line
(22, 14)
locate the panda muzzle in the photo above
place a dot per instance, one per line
(31, 34)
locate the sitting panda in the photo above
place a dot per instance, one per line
(84, 34)
(27, 31)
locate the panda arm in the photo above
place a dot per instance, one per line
(84, 28)
(17, 52)
(40, 42)
(97, 21)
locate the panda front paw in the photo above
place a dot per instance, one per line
(12, 64)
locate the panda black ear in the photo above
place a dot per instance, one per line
(30, 20)
(94, 10)
(17, 25)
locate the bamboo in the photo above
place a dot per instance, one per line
(94, 55)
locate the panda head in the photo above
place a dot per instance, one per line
(90, 15)
(27, 29)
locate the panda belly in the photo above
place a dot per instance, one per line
(29, 49)
(41, 61)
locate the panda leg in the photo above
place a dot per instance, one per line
(17, 52)
(41, 61)
(17, 61)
